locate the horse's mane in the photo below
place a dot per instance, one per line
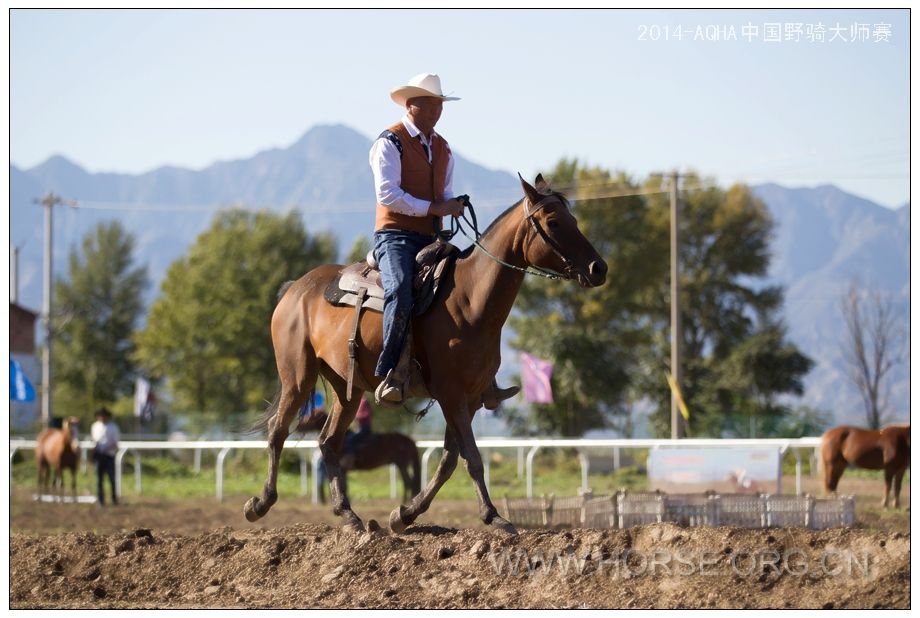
(466, 252)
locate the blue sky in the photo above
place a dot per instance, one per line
(129, 91)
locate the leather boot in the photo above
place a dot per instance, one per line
(493, 395)
(394, 389)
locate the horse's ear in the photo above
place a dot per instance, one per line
(541, 185)
(532, 194)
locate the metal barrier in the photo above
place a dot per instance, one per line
(626, 509)
(429, 447)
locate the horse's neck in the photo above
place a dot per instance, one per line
(487, 289)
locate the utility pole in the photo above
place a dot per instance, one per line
(48, 202)
(677, 428)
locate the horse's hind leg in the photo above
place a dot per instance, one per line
(295, 388)
(833, 470)
(331, 440)
(403, 516)
(42, 475)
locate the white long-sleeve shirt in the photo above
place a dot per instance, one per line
(106, 437)
(387, 167)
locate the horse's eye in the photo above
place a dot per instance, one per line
(552, 223)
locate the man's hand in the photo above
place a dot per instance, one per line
(452, 207)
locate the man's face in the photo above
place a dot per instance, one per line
(425, 112)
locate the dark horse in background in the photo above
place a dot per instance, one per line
(375, 450)
(885, 449)
(456, 344)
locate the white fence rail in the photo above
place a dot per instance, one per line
(525, 462)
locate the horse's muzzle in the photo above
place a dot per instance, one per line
(595, 276)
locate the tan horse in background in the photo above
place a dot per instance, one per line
(456, 343)
(58, 449)
(885, 449)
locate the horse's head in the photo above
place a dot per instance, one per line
(554, 241)
(70, 427)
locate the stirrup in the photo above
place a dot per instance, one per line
(388, 393)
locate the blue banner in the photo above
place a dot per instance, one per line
(20, 387)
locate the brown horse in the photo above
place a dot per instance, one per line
(456, 343)
(377, 449)
(58, 449)
(885, 449)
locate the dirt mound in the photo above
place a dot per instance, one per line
(317, 565)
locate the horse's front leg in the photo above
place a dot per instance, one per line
(403, 516)
(898, 477)
(473, 461)
(59, 483)
(889, 475)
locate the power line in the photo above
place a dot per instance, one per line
(594, 189)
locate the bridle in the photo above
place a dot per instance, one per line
(469, 216)
(568, 268)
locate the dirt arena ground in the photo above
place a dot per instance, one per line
(152, 553)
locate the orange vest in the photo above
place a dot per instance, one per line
(419, 179)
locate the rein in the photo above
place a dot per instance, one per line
(457, 225)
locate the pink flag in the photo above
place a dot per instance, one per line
(535, 375)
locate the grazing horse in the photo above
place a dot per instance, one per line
(456, 344)
(58, 449)
(375, 450)
(885, 449)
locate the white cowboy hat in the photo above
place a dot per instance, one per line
(422, 85)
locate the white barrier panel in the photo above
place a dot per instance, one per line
(723, 470)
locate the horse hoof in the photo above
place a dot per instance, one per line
(354, 526)
(373, 526)
(502, 524)
(249, 510)
(397, 525)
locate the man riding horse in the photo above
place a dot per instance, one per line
(457, 339)
(413, 176)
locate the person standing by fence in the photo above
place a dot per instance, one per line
(105, 435)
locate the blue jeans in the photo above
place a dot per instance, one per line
(395, 251)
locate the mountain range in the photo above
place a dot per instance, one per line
(823, 239)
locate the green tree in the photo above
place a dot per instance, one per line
(736, 360)
(593, 335)
(208, 332)
(358, 250)
(804, 421)
(99, 303)
(611, 345)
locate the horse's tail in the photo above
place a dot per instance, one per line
(263, 423)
